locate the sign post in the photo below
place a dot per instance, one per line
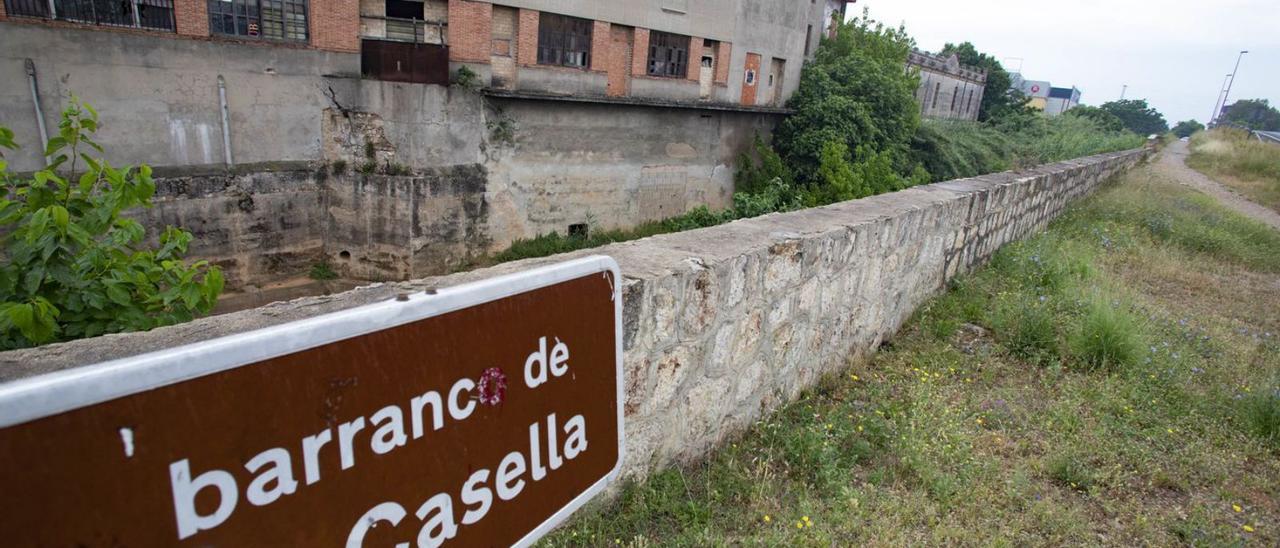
(482, 414)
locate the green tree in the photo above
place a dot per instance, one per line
(1103, 118)
(999, 97)
(1137, 116)
(855, 91)
(74, 266)
(1186, 127)
(1253, 114)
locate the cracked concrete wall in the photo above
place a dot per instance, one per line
(723, 324)
(611, 166)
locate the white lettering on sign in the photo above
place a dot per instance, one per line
(537, 365)
(385, 430)
(438, 512)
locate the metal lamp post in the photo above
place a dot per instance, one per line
(1227, 93)
(1217, 102)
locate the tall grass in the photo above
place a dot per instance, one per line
(1250, 166)
(952, 149)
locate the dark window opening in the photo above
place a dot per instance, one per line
(564, 40)
(668, 54)
(578, 230)
(404, 9)
(147, 14)
(274, 19)
(937, 88)
(808, 38)
(955, 93)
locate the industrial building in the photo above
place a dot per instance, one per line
(569, 115)
(1042, 96)
(947, 89)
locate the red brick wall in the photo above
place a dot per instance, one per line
(723, 58)
(527, 42)
(2, 16)
(693, 68)
(640, 53)
(470, 30)
(600, 46)
(335, 25)
(192, 17)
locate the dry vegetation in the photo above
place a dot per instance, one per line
(1250, 167)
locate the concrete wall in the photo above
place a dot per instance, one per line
(607, 166)
(724, 324)
(611, 166)
(158, 95)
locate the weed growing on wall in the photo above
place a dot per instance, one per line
(74, 265)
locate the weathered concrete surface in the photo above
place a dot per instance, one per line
(258, 227)
(723, 324)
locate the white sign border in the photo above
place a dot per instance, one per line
(42, 396)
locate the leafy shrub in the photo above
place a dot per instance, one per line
(755, 174)
(322, 271)
(854, 92)
(74, 265)
(1107, 338)
(467, 78)
(338, 167)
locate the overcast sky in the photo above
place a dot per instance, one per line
(1173, 53)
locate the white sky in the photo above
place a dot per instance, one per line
(1173, 53)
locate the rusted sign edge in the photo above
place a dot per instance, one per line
(46, 395)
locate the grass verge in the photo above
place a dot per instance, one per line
(1229, 157)
(1110, 381)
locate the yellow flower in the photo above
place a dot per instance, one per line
(979, 421)
(854, 377)
(1237, 508)
(1169, 430)
(806, 518)
(799, 525)
(859, 427)
(767, 519)
(1247, 529)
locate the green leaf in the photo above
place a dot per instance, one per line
(61, 217)
(118, 295)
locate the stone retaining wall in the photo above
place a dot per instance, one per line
(725, 323)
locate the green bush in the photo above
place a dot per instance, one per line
(854, 92)
(1107, 338)
(1029, 331)
(1261, 414)
(74, 266)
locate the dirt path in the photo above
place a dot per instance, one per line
(1172, 162)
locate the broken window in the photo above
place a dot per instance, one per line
(564, 40)
(147, 14)
(668, 54)
(274, 19)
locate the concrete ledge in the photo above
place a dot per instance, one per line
(633, 101)
(723, 324)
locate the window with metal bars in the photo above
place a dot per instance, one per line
(564, 40)
(147, 14)
(273, 19)
(668, 54)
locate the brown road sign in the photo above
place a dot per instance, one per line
(481, 415)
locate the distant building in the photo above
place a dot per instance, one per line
(947, 88)
(1044, 97)
(1061, 100)
(1037, 91)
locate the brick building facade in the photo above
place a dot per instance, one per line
(658, 50)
